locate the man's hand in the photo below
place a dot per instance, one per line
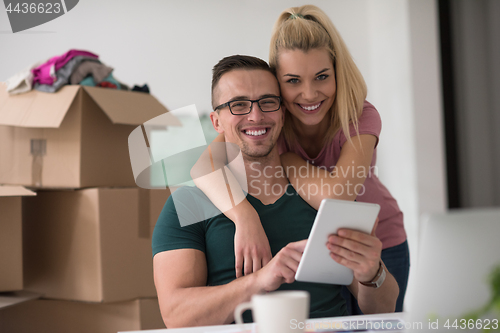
(281, 269)
(357, 251)
(251, 248)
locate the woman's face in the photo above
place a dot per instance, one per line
(307, 82)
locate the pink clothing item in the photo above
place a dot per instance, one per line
(46, 73)
(390, 228)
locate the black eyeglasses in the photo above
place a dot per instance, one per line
(244, 106)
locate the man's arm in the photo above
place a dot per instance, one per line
(361, 253)
(185, 300)
(380, 300)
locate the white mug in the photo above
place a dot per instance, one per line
(280, 311)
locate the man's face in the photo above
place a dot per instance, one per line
(255, 133)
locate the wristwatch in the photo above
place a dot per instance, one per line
(378, 279)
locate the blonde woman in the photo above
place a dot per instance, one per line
(324, 97)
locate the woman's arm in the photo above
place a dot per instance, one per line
(252, 250)
(346, 180)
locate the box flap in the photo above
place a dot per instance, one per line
(16, 297)
(128, 107)
(35, 108)
(14, 191)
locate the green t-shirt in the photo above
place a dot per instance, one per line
(289, 219)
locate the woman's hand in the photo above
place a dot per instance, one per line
(357, 251)
(251, 247)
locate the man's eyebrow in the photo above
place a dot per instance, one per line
(238, 97)
(247, 98)
(268, 95)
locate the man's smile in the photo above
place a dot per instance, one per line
(256, 132)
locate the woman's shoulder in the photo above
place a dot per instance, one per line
(369, 121)
(369, 113)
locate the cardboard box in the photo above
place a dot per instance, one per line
(92, 244)
(13, 298)
(74, 138)
(11, 246)
(79, 317)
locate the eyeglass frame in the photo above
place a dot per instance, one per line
(251, 105)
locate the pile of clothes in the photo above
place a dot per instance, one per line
(73, 67)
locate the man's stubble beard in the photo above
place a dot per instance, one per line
(253, 155)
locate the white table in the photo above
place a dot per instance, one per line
(235, 328)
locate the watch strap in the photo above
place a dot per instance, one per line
(377, 281)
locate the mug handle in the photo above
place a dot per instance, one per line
(238, 311)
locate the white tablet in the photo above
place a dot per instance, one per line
(316, 264)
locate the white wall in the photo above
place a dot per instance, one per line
(404, 84)
(391, 91)
(172, 46)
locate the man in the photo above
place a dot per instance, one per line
(194, 264)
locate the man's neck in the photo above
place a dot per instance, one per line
(266, 178)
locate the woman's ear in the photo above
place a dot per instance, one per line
(214, 117)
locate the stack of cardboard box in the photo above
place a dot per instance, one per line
(11, 251)
(87, 233)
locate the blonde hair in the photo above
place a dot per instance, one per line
(308, 27)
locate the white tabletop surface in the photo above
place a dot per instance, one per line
(250, 327)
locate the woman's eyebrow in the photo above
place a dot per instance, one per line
(322, 71)
(295, 75)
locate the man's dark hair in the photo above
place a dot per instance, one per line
(234, 62)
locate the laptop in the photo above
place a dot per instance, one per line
(459, 252)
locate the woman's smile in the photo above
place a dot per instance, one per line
(310, 108)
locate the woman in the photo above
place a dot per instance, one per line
(324, 97)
